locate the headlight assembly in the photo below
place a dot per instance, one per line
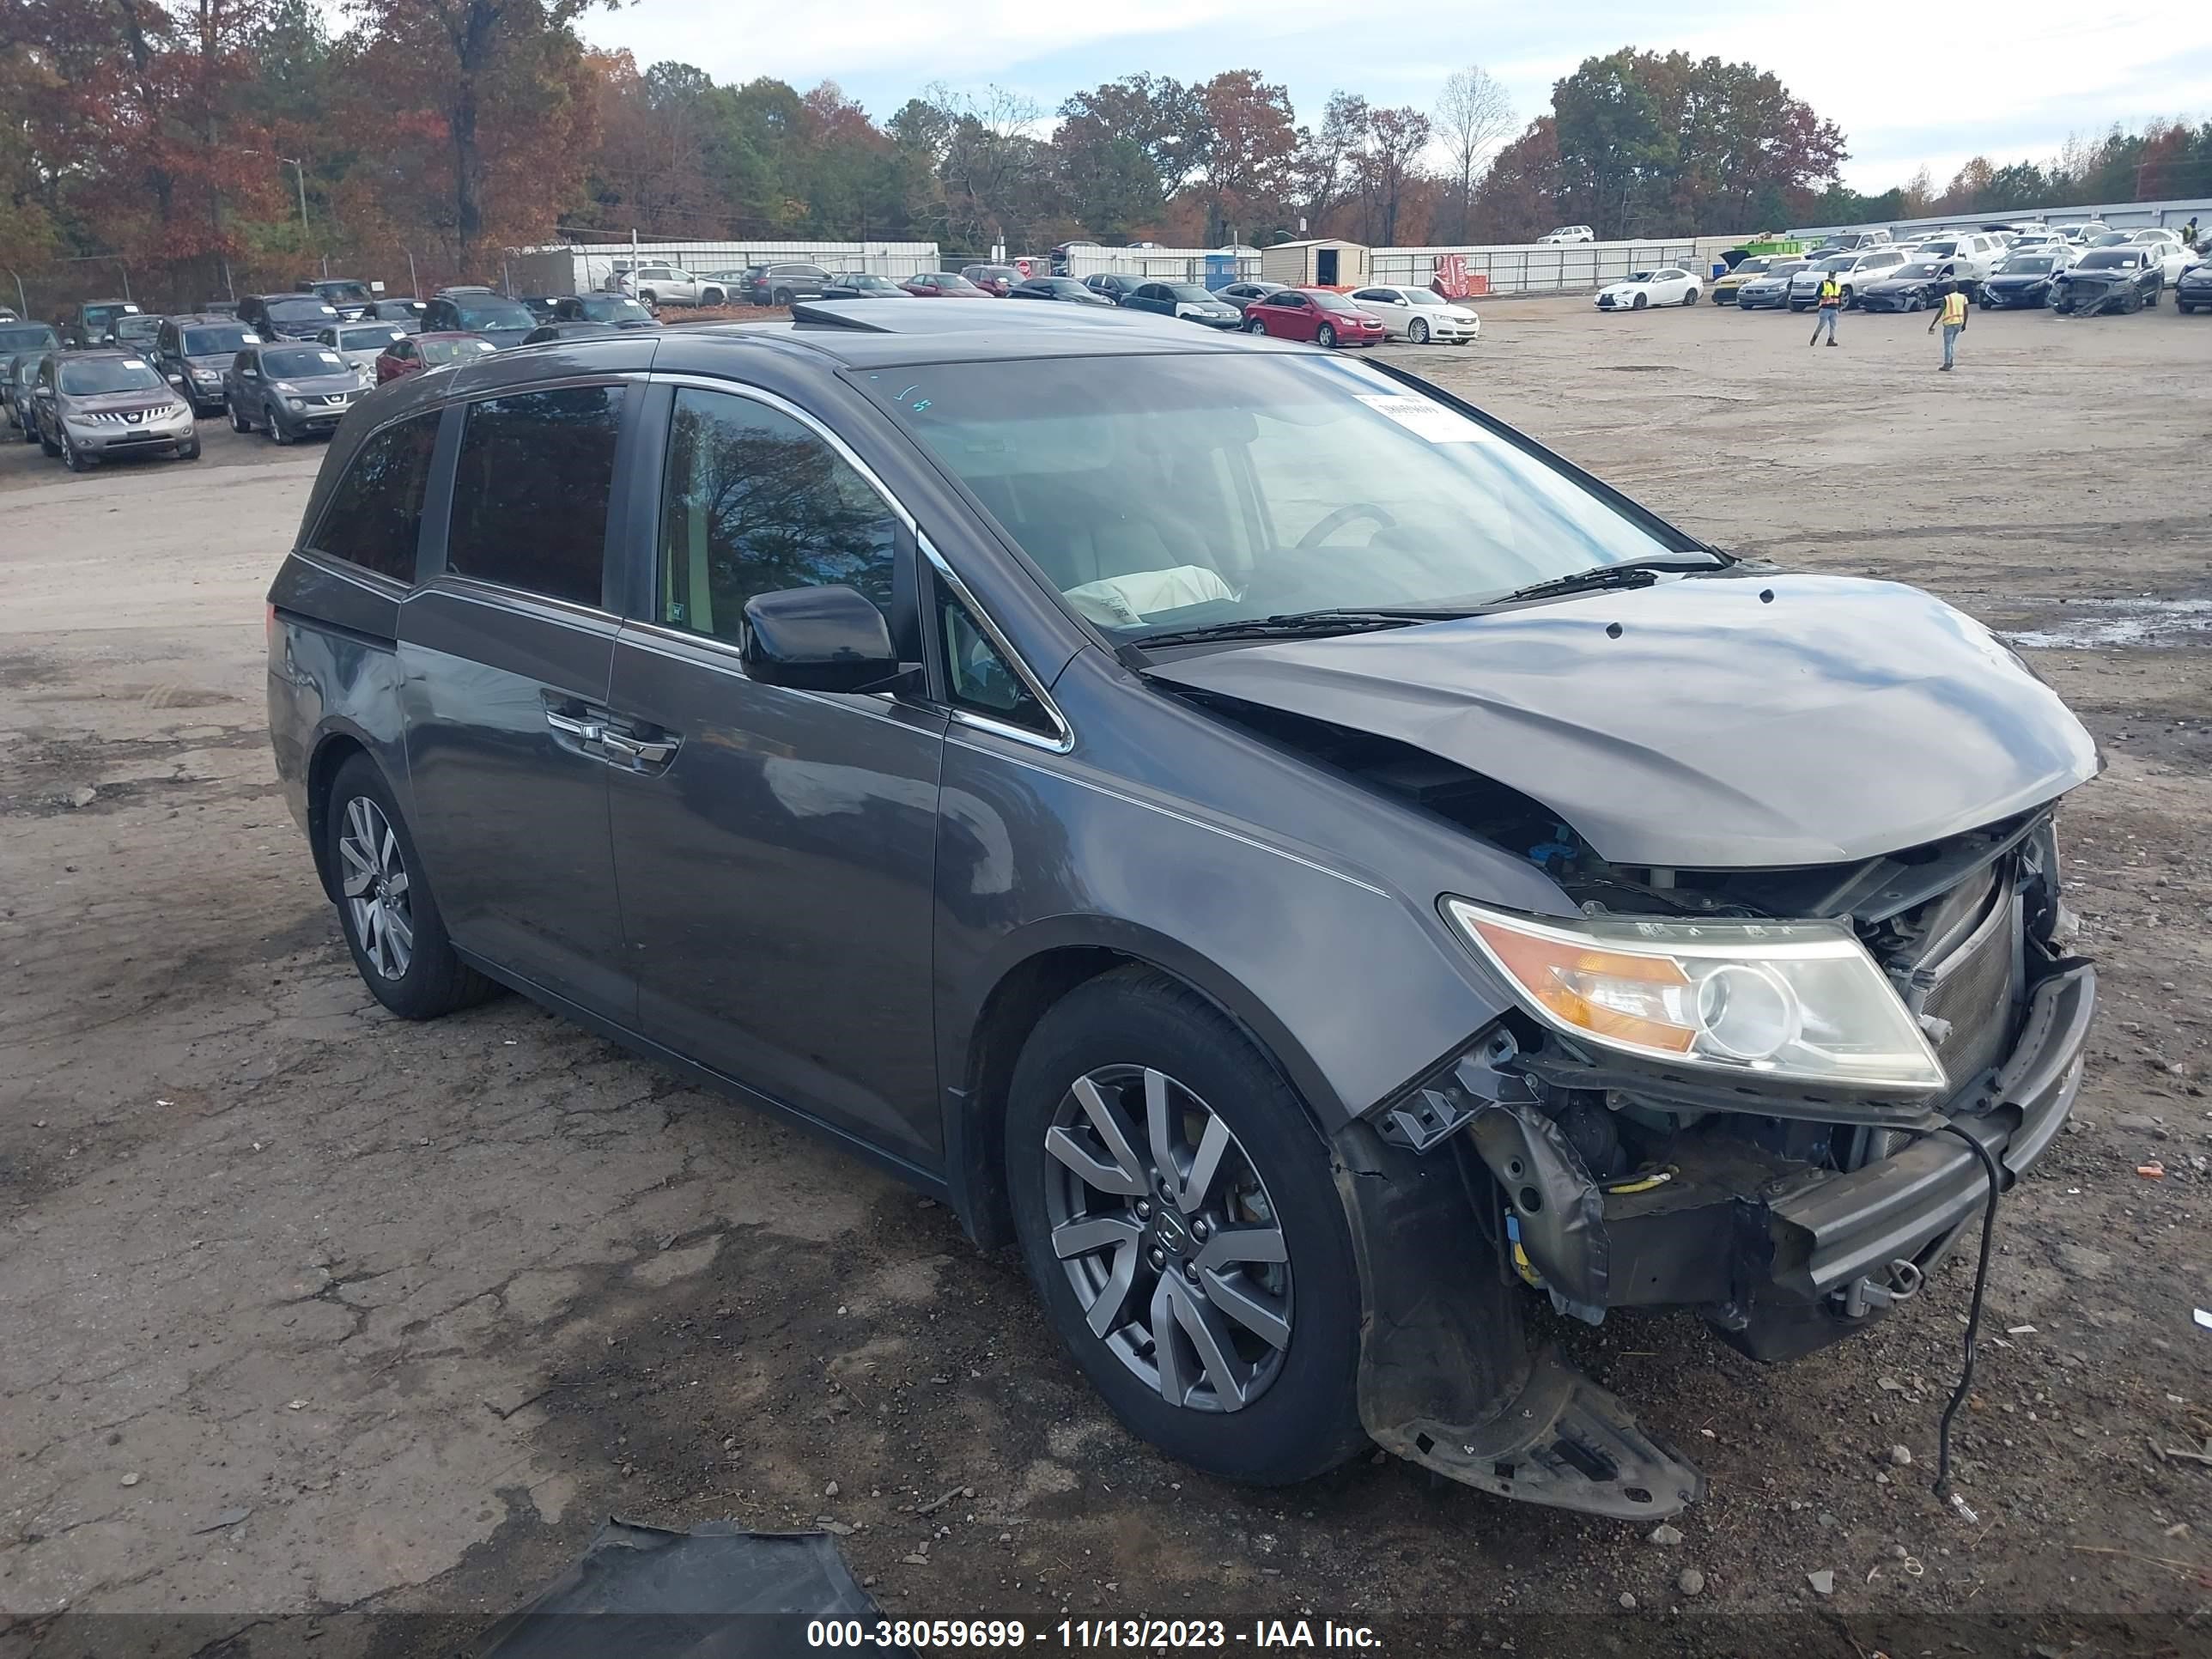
(1800, 1001)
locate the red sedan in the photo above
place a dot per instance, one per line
(1314, 315)
(411, 354)
(942, 285)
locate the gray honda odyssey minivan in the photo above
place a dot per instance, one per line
(1315, 870)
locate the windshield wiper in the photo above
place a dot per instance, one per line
(1296, 625)
(1639, 572)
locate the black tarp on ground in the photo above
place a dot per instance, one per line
(717, 1592)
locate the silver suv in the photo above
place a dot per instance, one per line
(1853, 271)
(99, 405)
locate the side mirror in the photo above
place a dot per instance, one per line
(817, 639)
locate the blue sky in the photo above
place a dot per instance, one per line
(1931, 85)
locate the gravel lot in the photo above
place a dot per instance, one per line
(311, 1312)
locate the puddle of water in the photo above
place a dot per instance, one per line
(2104, 622)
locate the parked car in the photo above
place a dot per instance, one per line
(1064, 289)
(2025, 277)
(350, 299)
(540, 305)
(1751, 267)
(1191, 302)
(85, 325)
(1853, 270)
(413, 353)
(1969, 256)
(192, 350)
(2081, 235)
(133, 331)
(552, 333)
(19, 338)
(103, 406)
(1916, 283)
(1115, 285)
(1665, 285)
(1242, 294)
(2173, 255)
(17, 374)
(289, 390)
(942, 285)
(1418, 314)
(2194, 290)
(615, 310)
(287, 316)
(1567, 233)
(994, 280)
(216, 308)
(1058, 256)
(480, 312)
(2107, 279)
(862, 285)
(1770, 290)
(362, 344)
(784, 283)
(1702, 971)
(405, 310)
(1319, 315)
(655, 284)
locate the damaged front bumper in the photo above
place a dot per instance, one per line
(1468, 1189)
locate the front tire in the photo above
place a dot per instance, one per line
(190, 449)
(1417, 330)
(277, 430)
(712, 296)
(391, 921)
(1325, 337)
(1255, 326)
(1178, 1218)
(1639, 304)
(72, 457)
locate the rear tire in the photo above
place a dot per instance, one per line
(782, 296)
(1287, 1412)
(391, 923)
(1691, 298)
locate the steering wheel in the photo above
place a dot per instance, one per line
(1343, 516)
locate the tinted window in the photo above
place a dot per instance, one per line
(302, 362)
(755, 503)
(95, 375)
(30, 336)
(438, 352)
(223, 337)
(977, 674)
(492, 312)
(300, 311)
(530, 493)
(375, 514)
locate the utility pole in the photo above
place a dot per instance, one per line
(301, 174)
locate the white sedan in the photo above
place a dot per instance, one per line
(1418, 314)
(2173, 255)
(1670, 285)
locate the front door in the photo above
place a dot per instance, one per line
(505, 657)
(1325, 267)
(775, 850)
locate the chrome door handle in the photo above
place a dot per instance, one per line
(639, 751)
(584, 731)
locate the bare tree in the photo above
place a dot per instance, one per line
(1473, 117)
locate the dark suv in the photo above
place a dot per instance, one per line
(780, 284)
(287, 316)
(86, 325)
(1317, 869)
(191, 351)
(502, 321)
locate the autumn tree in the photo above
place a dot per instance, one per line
(1519, 198)
(1473, 117)
(1388, 165)
(1243, 163)
(1123, 148)
(1327, 156)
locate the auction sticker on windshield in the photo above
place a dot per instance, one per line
(1434, 422)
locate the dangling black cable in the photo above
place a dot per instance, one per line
(1973, 1311)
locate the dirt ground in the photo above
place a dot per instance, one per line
(309, 1317)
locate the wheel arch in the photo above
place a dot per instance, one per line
(1038, 969)
(338, 743)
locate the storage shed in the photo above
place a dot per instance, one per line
(1323, 261)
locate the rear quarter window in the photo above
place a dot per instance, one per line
(531, 490)
(374, 517)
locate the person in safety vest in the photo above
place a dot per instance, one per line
(1953, 316)
(1831, 307)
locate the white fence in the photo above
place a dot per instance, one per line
(1571, 268)
(1159, 264)
(563, 268)
(2120, 216)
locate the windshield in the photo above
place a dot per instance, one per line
(2027, 266)
(446, 351)
(1640, 276)
(952, 283)
(2110, 239)
(1752, 266)
(350, 292)
(1940, 249)
(217, 338)
(1301, 483)
(99, 374)
(300, 311)
(2111, 260)
(102, 316)
(1838, 262)
(26, 337)
(1194, 294)
(493, 312)
(302, 362)
(138, 326)
(612, 309)
(1914, 272)
(367, 339)
(1421, 296)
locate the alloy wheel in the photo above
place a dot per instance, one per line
(376, 888)
(1168, 1238)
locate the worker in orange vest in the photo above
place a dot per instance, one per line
(1831, 307)
(1953, 316)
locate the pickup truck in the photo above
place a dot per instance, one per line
(668, 285)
